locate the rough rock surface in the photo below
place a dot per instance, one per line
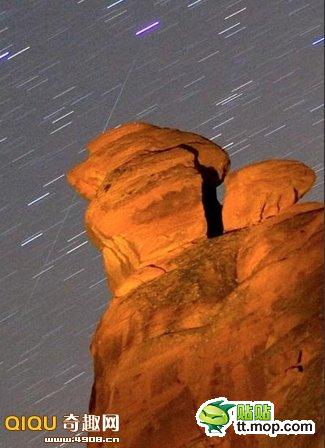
(237, 315)
(153, 192)
(259, 191)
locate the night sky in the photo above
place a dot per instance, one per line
(247, 74)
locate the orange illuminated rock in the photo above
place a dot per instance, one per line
(134, 140)
(153, 192)
(264, 189)
(197, 315)
(208, 329)
(262, 247)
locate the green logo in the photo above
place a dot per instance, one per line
(213, 415)
(247, 417)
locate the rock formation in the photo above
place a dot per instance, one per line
(207, 302)
(272, 186)
(144, 184)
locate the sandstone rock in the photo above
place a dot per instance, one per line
(115, 147)
(198, 332)
(264, 189)
(193, 317)
(107, 138)
(153, 192)
(263, 247)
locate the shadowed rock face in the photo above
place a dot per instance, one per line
(234, 314)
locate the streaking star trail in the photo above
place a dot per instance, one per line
(318, 41)
(4, 55)
(114, 4)
(147, 28)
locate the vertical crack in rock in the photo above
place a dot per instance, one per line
(210, 182)
(211, 205)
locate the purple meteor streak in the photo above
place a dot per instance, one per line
(4, 55)
(318, 41)
(147, 28)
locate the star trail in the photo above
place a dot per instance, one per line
(4, 55)
(246, 76)
(147, 28)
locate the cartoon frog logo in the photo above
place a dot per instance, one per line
(213, 415)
